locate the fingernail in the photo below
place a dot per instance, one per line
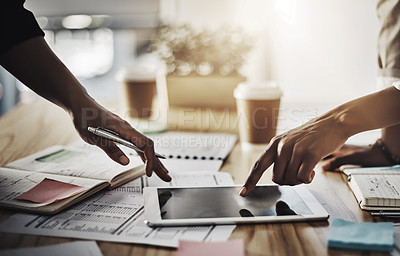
(327, 166)
(124, 160)
(243, 191)
(311, 177)
(149, 173)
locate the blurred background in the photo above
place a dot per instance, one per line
(320, 52)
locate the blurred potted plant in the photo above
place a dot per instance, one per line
(202, 66)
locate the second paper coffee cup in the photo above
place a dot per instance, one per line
(258, 110)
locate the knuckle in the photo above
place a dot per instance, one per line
(125, 124)
(292, 181)
(336, 161)
(146, 142)
(276, 180)
(258, 166)
(250, 180)
(115, 151)
(112, 149)
(150, 142)
(303, 177)
(284, 147)
(299, 150)
(272, 143)
(274, 140)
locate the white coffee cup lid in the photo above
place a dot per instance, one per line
(257, 91)
(139, 72)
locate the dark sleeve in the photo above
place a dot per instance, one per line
(16, 24)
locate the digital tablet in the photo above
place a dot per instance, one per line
(182, 206)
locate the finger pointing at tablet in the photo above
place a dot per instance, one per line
(262, 163)
(296, 152)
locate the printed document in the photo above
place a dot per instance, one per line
(83, 248)
(117, 215)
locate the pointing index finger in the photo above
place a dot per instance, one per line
(262, 163)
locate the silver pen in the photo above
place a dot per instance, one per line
(114, 136)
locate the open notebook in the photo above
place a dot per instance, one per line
(57, 177)
(196, 146)
(79, 170)
(376, 188)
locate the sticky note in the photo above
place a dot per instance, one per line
(230, 247)
(49, 191)
(361, 236)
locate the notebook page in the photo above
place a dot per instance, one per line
(197, 146)
(190, 165)
(380, 190)
(15, 182)
(117, 215)
(372, 170)
(76, 162)
(81, 248)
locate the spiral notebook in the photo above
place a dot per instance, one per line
(376, 188)
(196, 146)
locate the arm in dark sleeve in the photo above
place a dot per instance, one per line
(16, 24)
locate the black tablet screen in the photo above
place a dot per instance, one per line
(184, 203)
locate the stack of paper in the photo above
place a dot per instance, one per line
(117, 215)
(84, 248)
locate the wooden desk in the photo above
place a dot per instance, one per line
(33, 127)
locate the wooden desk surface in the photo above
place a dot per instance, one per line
(32, 127)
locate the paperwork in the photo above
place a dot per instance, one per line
(76, 161)
(190, 165)
(375, 188)
(185, 145)
(15, 182)
(88, 169)
(172, 164)
(395, 169)
(194, 145)
(84, 248)
(59, 190)
(117, 215)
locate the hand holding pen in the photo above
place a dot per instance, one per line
(115, 137)
(96, 116)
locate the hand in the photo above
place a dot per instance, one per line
(296, 152)
(34, 63)
(94, 115)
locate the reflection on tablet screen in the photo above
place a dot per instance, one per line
(184, 203)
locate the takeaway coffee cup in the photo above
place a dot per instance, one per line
(258, 109)
(138, 90)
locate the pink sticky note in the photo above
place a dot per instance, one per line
(230, 247)
(49, 191)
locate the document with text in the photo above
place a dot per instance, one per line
(117, 215)
(81, 248)
(59, 168)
